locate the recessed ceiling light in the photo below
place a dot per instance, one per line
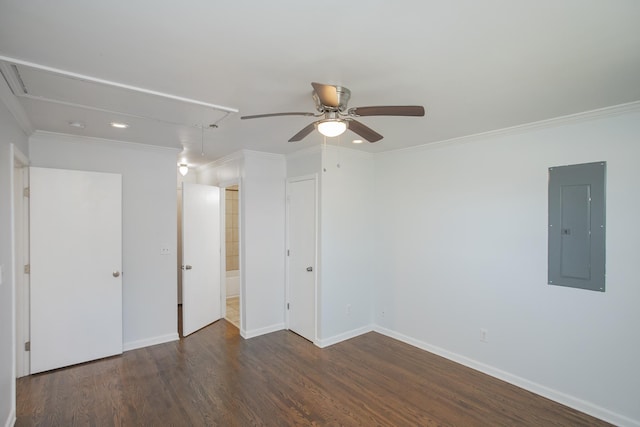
(76, 124)
(357, 141)
(119, 125)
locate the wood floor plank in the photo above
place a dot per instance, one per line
(216, 378)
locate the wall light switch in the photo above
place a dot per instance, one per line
(164, 251)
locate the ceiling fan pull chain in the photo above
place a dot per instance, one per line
(324, 151)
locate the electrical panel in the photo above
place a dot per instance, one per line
(577, 226)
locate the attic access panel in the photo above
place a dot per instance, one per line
(577, 226)
(42, 84)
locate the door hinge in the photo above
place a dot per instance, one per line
(27, 346)
(287, 252)
(287, 306)
(26, 192)
(27, 269)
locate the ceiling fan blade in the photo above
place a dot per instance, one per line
(389, 110)
(364, 131)
(259, 116)
(303, 133)
(327, 94)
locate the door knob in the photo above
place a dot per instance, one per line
(309, 268)
(116, 273)
(186, 267)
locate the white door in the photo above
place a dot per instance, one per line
(302, 257)
(76, 258)
(200, 256)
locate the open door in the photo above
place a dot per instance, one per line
(76, 258)
(200, 256)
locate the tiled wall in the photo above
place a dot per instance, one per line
(231, 232)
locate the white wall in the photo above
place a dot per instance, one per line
(263, 241)
(461, 232)
(261, 177)
(304, 162)
(346, 220)
(347, 211)
(10, 133)
(148, 219)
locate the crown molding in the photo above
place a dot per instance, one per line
(77, 139)
(322, 148)
(235, 156)
(351, 151)
(263, 155)
(615, 110)
(307, 151)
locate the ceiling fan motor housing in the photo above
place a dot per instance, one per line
(342, 96)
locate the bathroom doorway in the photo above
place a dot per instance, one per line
(232, 254)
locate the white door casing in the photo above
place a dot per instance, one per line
(21, 251)
(301, 268)
(76, 259)
(201, 268)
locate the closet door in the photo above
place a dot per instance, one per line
(301, 274)
(76, 258)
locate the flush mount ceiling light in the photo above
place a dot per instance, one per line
(119, 125)
(331, 127)
(183, 169)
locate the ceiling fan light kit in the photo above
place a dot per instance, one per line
(331, 127)
(331, 103)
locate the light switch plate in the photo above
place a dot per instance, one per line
(164, 251)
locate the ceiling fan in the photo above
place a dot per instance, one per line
(331, 103)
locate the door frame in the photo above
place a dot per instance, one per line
(20, 245)
(223, 251)
(316, 275)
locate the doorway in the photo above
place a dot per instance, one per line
(231, 190)
(201, 248)
(232, 254)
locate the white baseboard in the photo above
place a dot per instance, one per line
(11, 419)
(261, 331)
(549, 393)
(132, 345)
(326, 342)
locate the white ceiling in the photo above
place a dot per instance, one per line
(475, 65)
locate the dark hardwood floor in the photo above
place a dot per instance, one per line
(214, 377)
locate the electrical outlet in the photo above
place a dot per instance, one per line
(164, 250)
(382, 313)
(484, 335)
(348, 309)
